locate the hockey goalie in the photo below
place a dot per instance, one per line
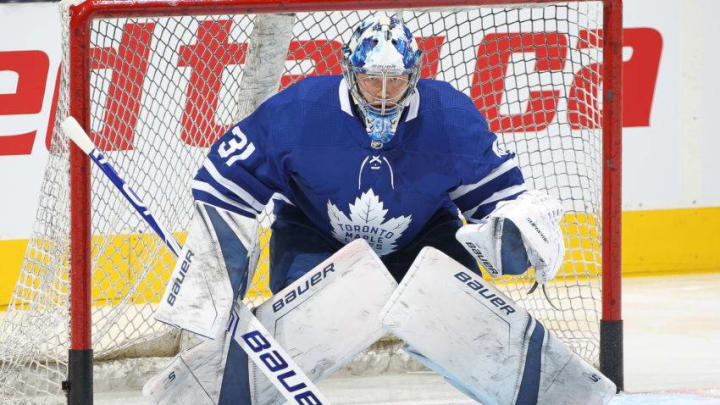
(371, 174)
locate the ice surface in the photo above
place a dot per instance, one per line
(407, 390)
(672, 354)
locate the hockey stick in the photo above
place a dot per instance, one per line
(254, 339)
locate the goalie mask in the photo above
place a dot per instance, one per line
(381, 64)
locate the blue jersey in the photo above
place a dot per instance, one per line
(306, 146)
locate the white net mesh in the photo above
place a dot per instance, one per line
(163, 88)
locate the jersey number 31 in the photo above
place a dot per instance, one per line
(238, 143)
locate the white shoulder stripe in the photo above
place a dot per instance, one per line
(464, 189)
(497, 196)
(344, 94)
(202, 186)
(239, 191)
(283, 197)
(414, 106)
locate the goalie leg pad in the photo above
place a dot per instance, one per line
(190, 379)
(210, 271)
(326, 317)
(484, 343)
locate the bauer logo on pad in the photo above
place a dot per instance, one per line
(484, 292)
(317, 277)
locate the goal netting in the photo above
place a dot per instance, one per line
(162, 84)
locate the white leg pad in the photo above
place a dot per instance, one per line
(327, 317)
(484, 343)
(199, 297)
(192, 378)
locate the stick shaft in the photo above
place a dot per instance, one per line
(137, 203)
(253, 337)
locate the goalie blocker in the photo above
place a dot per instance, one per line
(483, 343)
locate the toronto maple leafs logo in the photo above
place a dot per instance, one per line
(367, 221)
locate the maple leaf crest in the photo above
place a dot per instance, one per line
(367, 221)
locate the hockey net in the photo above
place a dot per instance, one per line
(162, 83)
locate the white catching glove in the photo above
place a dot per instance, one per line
(536, 216)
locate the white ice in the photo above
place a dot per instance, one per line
(672, 354)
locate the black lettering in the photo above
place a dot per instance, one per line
(315, 278)
(300, 290)
(290, 297)
(535, 227)
(330, 267)
(278, 305)
(177, 283)
(497, 301)
(485, 290)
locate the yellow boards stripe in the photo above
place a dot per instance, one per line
(11, 258)
(654, 242)
(671, 241)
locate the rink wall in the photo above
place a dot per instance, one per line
(671, 173)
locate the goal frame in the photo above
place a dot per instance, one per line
(79, 380)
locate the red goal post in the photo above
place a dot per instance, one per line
(553, 92)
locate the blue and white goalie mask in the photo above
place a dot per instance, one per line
(381, 64)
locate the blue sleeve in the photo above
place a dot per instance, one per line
(241, 172)
(487, 178)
